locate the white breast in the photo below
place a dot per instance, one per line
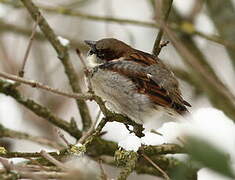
(92, 61)
(121, 95)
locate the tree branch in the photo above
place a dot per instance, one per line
(128, 159)
(5, 132)
(218, 100)
(214, 89)
(9, 89)
(63, 55)
(222, 13)
(108, 114)
(21, 71)
(166, 7)
(45, 87)
(164, 174)
(180, 28)
(7, 27)
(162, 149)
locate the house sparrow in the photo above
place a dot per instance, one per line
(133, 82)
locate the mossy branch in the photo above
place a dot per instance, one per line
(128, 160)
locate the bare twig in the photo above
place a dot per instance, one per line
(5, 132)
(6, 164)
(27, 155)
(174, 26)
(157, 47)
(69, 12)
(44, 87)
(38, 167)
(21, 72)
(163, 44)
(90, 131)
(196, 9)
(97, 117)
(155, 132)
(86, 70)
(96, 133)
(14, 170)
(53, 160)
(61, 135)
(156, 166)
(41, 167)
(5, 26)
(103, 175)
(39, 175)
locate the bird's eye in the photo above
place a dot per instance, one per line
(90, 52)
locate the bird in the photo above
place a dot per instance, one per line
(132, 82)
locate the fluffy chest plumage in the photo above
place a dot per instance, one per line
(120, 93)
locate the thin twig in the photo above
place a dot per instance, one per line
(53, 160)
(45, 87)
(81, 58)
(6, 164)
(41, 175)
(36, 162)
(196, 9)
(69, 12)
(61, 135)
(21, 72)
(103, 175)
(86, 70)
(156, 166)
(38, 167)
(97, 116)
(10, 167)
(155, 132)
(157, 48)
(8, 27)
(5, 132)
(96, 133)
(91, 130)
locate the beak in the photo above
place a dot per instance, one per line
(91, 44)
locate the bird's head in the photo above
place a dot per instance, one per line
(108, 49)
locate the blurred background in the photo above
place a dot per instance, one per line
(206, 28)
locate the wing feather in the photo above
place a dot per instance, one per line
(148, 81)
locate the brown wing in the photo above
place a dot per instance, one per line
(148, 84)
(142, 58)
